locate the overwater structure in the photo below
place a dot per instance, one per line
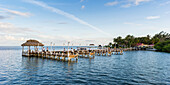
(61, 55)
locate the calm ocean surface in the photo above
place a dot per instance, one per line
(134, 67)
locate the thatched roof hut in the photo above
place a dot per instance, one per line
(32, 43)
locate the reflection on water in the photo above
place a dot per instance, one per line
(35, 63)
(134, 67)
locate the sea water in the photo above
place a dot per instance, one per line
(133, 67)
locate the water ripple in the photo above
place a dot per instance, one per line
(134, 67)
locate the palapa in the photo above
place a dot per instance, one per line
(32, 43)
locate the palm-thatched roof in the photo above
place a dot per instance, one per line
(32, 43)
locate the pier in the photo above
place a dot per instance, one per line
(65, 55)
(58, 55)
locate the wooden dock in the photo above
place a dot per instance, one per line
(67, 56)
(64, 55)
(58, 55)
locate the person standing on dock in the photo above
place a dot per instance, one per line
(47, 49)
(72, 50)
(43, 49)
(64, 49)
(89, 50)
(108, 49)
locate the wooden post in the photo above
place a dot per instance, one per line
(72, 49)
(51, 46)
(68, 49)
(38, 49)
(54, 47)
(22, 50)
(28, 50)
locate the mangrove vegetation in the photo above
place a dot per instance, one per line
(160, 40)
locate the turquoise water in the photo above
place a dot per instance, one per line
(134, 67)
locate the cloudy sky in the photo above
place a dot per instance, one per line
(80, 21)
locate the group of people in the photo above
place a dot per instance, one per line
(118, 51)
(43, 49)
(72, 50)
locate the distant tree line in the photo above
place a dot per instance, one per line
(132, 41)
(163, 46)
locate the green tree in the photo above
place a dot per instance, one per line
(163, 46)
(166, 48)
(131, 41)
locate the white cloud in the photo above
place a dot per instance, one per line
(81, 0)
(68, 15)
(137, 2)
(111, 3)
(12, 40)
(153, 17)
(9, 28)
(127, 5)
(14, 36)
(82, 7)
(165, 3)
(16, 40)
(8, 37)
(16, 12)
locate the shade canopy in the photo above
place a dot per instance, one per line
(32, 43)
(91, 45)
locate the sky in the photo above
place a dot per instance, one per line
(80, 22)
